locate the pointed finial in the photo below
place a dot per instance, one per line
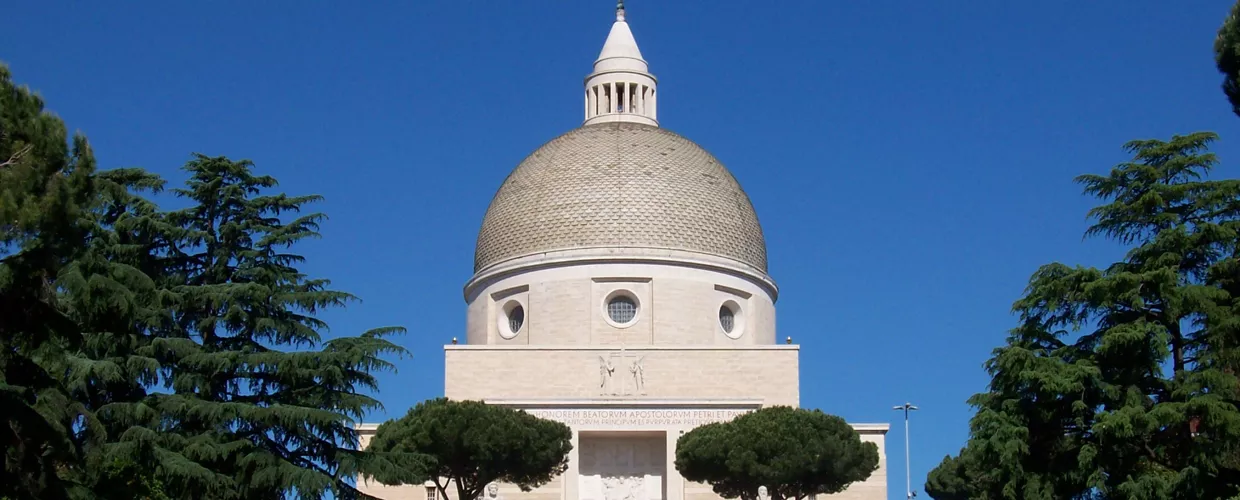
(619, 10)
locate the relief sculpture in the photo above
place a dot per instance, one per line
(492, 492)
(633, 384)
(605, 371)
(624, 488)
(639, 375)
(622, 468)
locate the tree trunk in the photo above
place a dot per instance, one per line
(1177, 349)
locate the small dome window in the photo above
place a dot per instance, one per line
(727, 318)
(731, 319)
(511, 319)
(621, 309)
(516, 318)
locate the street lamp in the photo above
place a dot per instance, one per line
(908, 475)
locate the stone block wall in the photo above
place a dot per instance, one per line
(765, 373)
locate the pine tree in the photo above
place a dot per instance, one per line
(148, 354)
(258, 397)
(1121, 382)
(795, 453)
(470, 444)
(76, 359)
(113, 295)
(46, 187)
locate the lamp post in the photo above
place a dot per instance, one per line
(908, 475)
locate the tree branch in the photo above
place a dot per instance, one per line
(17, 155)
(442, 486)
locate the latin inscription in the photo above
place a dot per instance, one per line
(637, 417)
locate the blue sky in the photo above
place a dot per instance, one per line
(911, 162)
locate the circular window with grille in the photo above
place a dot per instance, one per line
(731, 319)
(727, 319)
(621, 308)
(511, 319)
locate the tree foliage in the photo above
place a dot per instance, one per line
(272, 422)
(1121, 382)
(147, 353)
(471, 444)
(795, 453)
(1227, 57)
(46, 191)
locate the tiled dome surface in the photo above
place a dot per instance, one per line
(620, 185)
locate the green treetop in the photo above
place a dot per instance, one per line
(793, 452)
(46, 190)
(471, 444)
(70, 372)
(147, 354)
(1121, 382)
(258, 397)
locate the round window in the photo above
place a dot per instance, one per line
(621, 309)
(732, 319)
(511, 319)
(727, 318)
(516, 318)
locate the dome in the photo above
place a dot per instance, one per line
(620, 185)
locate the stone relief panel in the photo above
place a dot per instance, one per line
(622, 374)
(622, 468)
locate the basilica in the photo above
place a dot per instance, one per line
(620, 286)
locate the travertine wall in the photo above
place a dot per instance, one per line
(874, 488)
(765, 373)
(565, 305)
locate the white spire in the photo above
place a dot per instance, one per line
(620, 43)
(621, 88)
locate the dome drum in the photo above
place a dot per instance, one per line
(620, 303)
